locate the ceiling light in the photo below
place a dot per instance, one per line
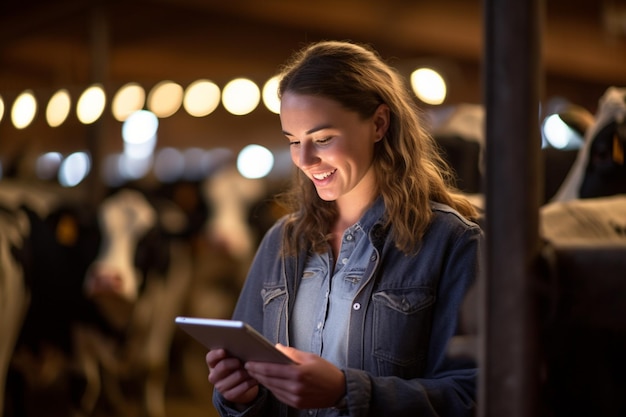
(165, 98)
(201, 98)
(428, 85)
(1, 108)
(58, 108)
(270, 95)
(91, 104)
(128, 99)
(240, 96)
(24, 109)
(255, 161)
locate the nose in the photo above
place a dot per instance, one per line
(103, 280)
(307, 155)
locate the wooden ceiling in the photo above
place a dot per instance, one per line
(46, 45)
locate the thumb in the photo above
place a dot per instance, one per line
(293, 353)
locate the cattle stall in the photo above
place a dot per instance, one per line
(550, 313)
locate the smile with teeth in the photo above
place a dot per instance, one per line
(324, 175)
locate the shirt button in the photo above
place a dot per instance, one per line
(349, 237)
(344, 261)
(356, 306)
(373, 258)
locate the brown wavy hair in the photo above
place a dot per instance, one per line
(408, 167)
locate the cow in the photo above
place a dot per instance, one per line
(14, 295)
(459, 133)
(232, 196)
(112, 309)
(179, 248)
(139, 282)
(46, 240)
(580, 282)
(600, 167)
(583, 327)
(239, 214)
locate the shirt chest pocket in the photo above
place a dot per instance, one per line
(274, 306)
(402, 324)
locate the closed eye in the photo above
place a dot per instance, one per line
(324, 140)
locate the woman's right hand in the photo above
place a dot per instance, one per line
(230, 378)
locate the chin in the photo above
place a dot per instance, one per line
(327, 197)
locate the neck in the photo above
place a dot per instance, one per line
(352, 205)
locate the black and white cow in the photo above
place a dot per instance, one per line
(46, 240)
(14, 295)
(583, 231)
(600, 166)
(238, 217)
(93, 302)
(182, 248)
(583, 326)
(460, 133)
(139, 282)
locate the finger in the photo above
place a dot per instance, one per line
(294, 354)
(271, 369)
(289, 383)
(235, 384)
(214, 356)
(225, 368)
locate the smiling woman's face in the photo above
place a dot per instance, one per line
(333, 146)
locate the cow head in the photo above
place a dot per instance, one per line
(113, 281)
(605, 173)
(600, 167)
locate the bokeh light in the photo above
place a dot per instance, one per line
(91, 104)
(169, 165)
(1, 108)
(270, 94)
(47, 165)
(196, 164)
(255, 161)
(139, 132)
(558, 134)
(165, 98)
(58, 108)
(429, 86)
(74, 169)
(24, 110)
(130, 98)
(241, 96)
(201, 98)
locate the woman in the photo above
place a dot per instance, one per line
(362, 282)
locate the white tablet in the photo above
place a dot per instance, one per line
(236, 337)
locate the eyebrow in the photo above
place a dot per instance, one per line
(313, 130)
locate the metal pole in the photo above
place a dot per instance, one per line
(509, 382)
(99, 54)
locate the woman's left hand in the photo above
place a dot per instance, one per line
(311, 383)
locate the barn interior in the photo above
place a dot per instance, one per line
(71, 45)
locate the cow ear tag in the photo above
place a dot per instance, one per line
(67, 230)
(618, 150)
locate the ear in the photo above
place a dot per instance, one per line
(381, 121)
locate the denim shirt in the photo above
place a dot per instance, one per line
(325, 294)
(402, 319)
